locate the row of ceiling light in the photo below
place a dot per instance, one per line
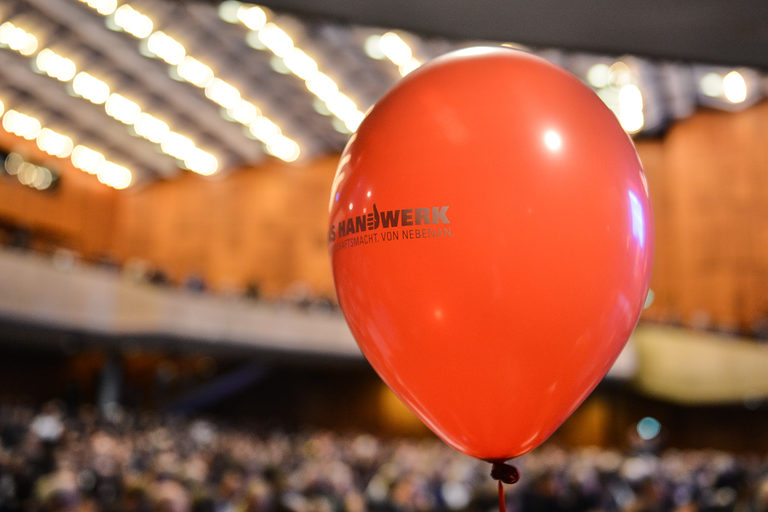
(619, 86)
(614, 82)
(266, 34)
(61, 146)
(85, 85)
(732, 86)
(392, 47)
(185, 67)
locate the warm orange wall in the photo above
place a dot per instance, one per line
(708, 177)
(709, 189)
(78, 214)
(265, 225)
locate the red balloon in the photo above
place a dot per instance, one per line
(491, 238)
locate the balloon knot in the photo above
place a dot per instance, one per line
(505, 473)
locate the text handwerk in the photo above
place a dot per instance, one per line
(388, 219)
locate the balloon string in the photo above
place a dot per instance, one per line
(507, 474)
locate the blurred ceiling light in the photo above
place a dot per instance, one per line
(345, 109)
(228, 10)
(411, 65)
(630, 97)
(284, 149)
(354, 121)
(268, 35)
(103, 7)
(114, 175)
(322, 86)
(194, 72)
(55, 65)
(191, 70)
(201, 162)
(632, 121)
(166, 48)
(96, 91)
(341, 105)
(23, 125)
(278, 65)
(252, 16)
(17, 39)
(177, 145)
(61, 146)
(31, 175)
(620, 73)
(54, 143)
(90, 88)
(26, 174)
(630, 111)
(617, 88)
(372, 47)
(7, 33)
(734, 87)
(599, 75)
(122, 109)
(252, 40)
(87, 159)
(244, 112)
(394, 48)
(320, 107)
(275, 39)
(29, 47)
(339, 125)
(132, 21)
(711, 84)
(43, 178)
(264, 129)
(222, 93)
(398, 52)
(300, 64)
(151, 128)
(12, 163)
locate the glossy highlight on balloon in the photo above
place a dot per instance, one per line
(491, 238)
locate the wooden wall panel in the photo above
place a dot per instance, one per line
(78, 214)
(708, 180)
(708, 177)
(254, 225)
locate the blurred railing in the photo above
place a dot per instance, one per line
(74, 295)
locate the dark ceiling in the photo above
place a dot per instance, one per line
(295, 82)
(706, 31)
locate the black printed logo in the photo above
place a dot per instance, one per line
(390, 225)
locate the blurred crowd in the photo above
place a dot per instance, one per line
(53, 461)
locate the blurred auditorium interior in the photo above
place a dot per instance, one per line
(165, 174)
